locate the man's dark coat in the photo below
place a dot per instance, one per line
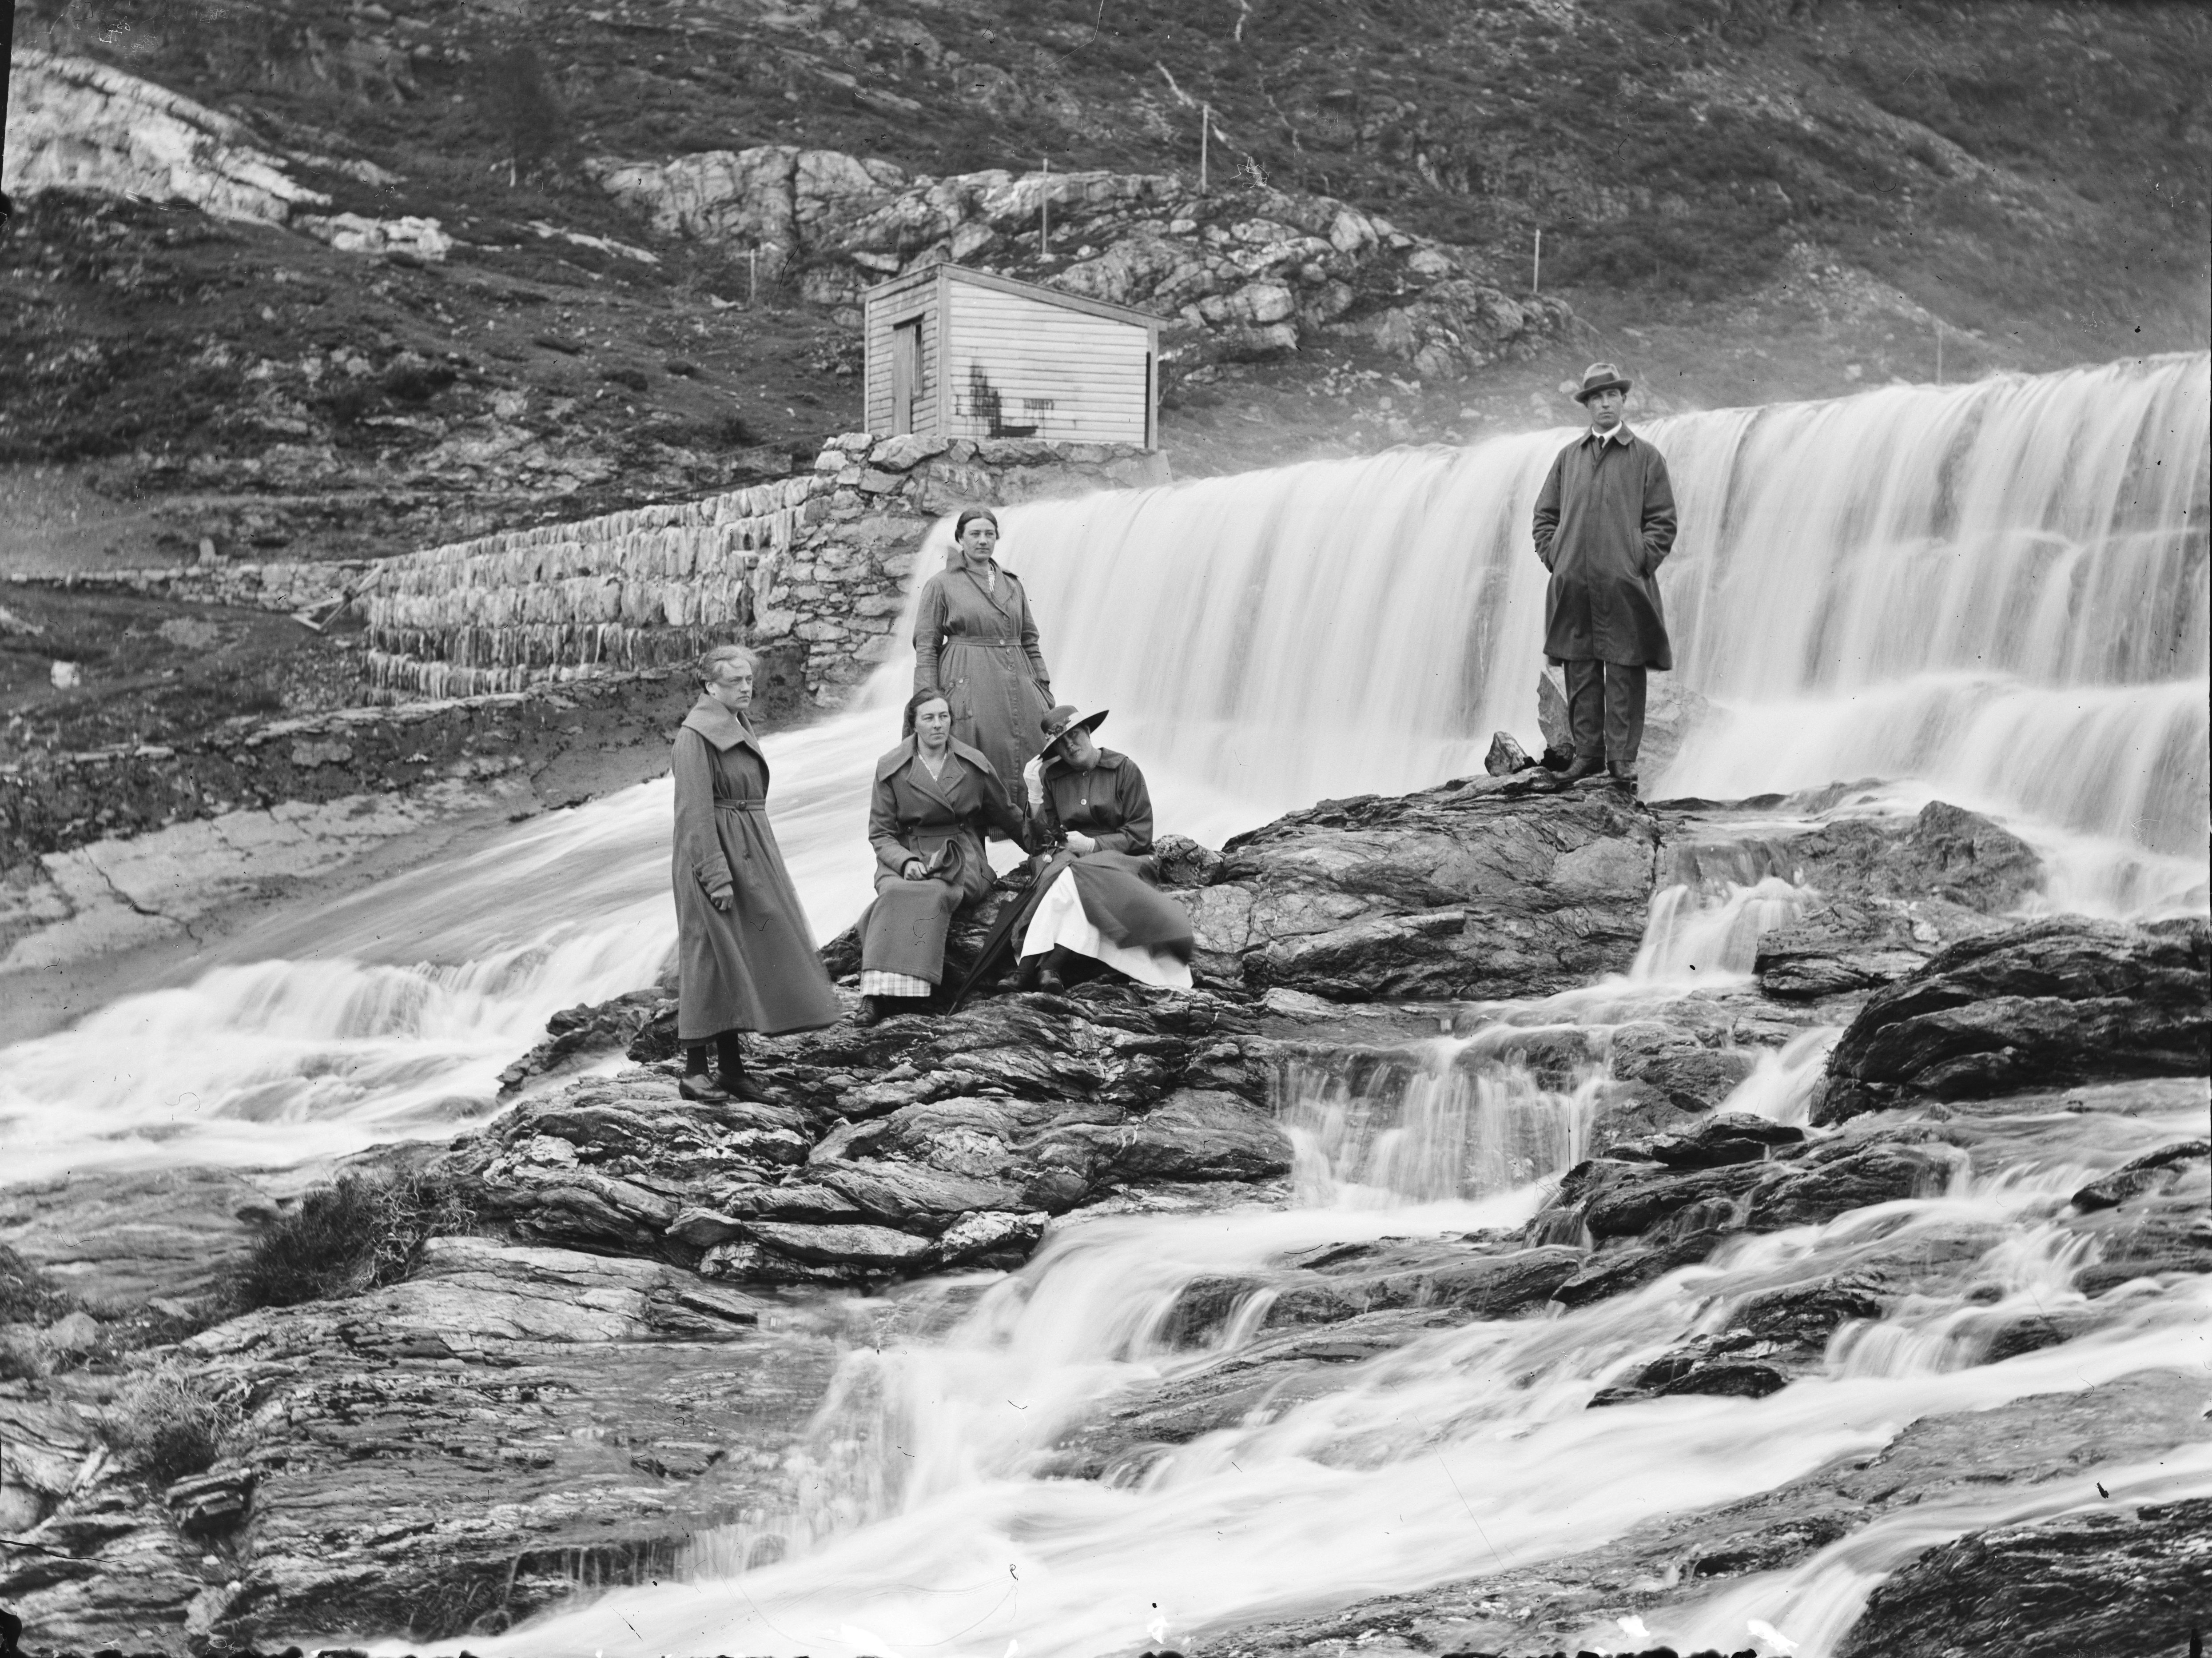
(1605, 521)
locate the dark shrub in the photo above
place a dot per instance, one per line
(170, 1425)
(361, 1233)
(629, 377)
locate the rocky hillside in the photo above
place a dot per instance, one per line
(440, 267)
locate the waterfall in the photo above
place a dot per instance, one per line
(1467, 1451)
(1997, 593)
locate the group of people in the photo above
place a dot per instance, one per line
(986, 751)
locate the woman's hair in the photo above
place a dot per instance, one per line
(969, 516)
(914, 706)
(710, 663)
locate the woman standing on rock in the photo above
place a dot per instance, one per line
(975, 641)
(745, 958)
(934, 795)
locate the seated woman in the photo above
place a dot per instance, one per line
(934, 797)
(1099, 898)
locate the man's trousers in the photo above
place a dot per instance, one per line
(1605, 710)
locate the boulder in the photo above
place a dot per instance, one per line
(1497, 886)
(2117, 1577)
(2153, 1171)
(2052, 1003)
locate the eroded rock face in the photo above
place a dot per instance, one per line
(922, 1142)
(1497, 886)
(2052, 1003)
(2119, 1578)
(1247, 272)
(437, 1457)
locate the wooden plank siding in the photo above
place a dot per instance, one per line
(1057, 366)
(1072, 377)
(910, 298)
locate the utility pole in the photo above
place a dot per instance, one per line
(1205, 137)
(1536, 267)
(1044, 212)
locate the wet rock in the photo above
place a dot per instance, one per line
(1691, 1075)
(211, 1502)
(1506, 757)
(2052, 1003)
(1676, 1374)
(2121, 1578)
(1649, 1218)
(2150, 1237)
(1947, 853)
(1839, 948)
(2154, 1171)
(124, 1238)
(1476, 1282)
(575, 1033)
(1495, 887)
(1022, 1107)
(1729, 1137)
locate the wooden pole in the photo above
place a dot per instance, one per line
(1939, 350)
(752, 277)
(1205, 140)
(1536, 267)
(1044, 212)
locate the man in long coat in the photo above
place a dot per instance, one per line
(1605, 521)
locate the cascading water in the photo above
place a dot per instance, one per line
(1996, 594)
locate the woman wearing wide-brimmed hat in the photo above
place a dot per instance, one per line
(934, 797)
(975, 641)
(1099, 896)
(745, 957)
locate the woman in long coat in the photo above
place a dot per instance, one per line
(934, 797)
(745, 957)
(1099, 896)
(975, 641)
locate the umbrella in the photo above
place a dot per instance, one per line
(995, 940)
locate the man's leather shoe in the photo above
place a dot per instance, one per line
(1624, 781)
(703, 1089)
(1585, 766)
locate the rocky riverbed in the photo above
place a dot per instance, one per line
(610, 1331)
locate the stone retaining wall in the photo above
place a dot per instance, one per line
(820, 562)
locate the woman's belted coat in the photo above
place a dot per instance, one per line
(752, 966)
(976, 642)
(939, 821)
(1604, 522)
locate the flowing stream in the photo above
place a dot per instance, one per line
(1996, 595)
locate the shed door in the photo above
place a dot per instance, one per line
(906, 374)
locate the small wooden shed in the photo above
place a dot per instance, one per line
(958, 353)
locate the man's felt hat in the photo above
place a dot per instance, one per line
(1601, 377)
(1062, 720)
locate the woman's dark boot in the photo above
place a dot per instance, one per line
(1051, 972)
(696, 1084)
(1026, 980)
(870, 1012)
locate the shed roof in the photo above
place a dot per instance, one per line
(1037, 291)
